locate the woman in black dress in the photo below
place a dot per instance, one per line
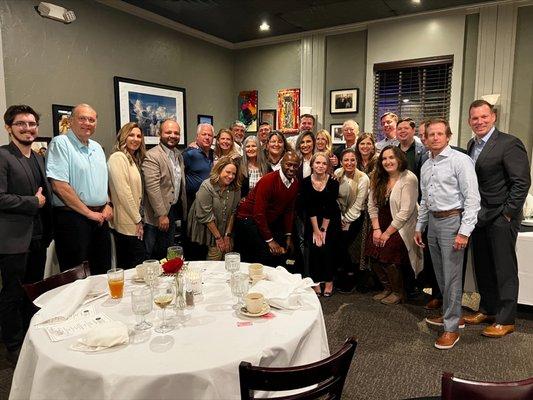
(319, 194)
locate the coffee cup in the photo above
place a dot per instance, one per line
(254, 302)
(255, 270)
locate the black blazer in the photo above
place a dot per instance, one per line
(503, 175)
(18, 204)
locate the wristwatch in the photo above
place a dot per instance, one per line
(322, 229)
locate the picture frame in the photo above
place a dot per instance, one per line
(288, 109)
(269, 116)
(344, 101)
(39, 143)
(335, 131)
(149, 104)
(247, 109)
(60, 118)
(205, 119)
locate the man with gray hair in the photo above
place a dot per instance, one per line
(239, 131)
(350, 131)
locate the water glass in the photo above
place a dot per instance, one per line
(152, 271)
(141, 305)
(194, 280)
(239, 284)
(232, 262)
(174, 252)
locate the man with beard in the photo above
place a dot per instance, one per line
(164, 183)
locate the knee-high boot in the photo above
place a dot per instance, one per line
(379, 270)
(394, 274)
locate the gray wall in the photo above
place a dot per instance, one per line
(469, 77)
(267, 69)
(49, 62)
(345, 69)
(522, 97)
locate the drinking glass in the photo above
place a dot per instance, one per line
(239, 284)
(163, 296)
(152, 271)
(174, 252)
(232, 262)
(141, 305)
(115, 280)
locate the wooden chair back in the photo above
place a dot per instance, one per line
(327, 375)
(456, 389)
(34, 290)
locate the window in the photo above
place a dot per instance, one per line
(419, 89)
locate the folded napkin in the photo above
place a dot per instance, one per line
(64, 304)
(283, 289)
(103, 336)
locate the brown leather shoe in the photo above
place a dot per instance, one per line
(439, 321)
(433, 304)
(497, 330)
(447, 340)
(478, 318)
(381, 295)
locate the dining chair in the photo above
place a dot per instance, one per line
(457, 389)
(326, 377)
(34, 290)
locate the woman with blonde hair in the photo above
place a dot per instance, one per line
(253, 165)
(126, 192)
(323, 142)
(225, 145)
(210, 220)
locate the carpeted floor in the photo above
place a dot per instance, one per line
(395, 357)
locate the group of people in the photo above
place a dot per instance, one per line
(279, 199)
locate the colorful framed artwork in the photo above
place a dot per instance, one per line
(149, 104)
(247, 103)
(343, 101)
(268, 116)
(60, 118)
(336, 134)
(288, 108)
(205, 119)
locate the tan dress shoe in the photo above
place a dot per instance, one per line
(439, 321)
(433, 304)
(393, 298)
(478, 318)
(381, 295)
(497, 330)
(447, 340)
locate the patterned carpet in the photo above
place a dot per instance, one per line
(395, 357)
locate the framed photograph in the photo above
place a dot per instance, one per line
(343, 101)
(288, 108)
(40, 145)
(336, 133)
(247, 103)
(60, 118)
(205, 119)
(149, 104)
(268, 116)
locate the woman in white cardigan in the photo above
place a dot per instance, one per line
(126, 191)
(393, 210)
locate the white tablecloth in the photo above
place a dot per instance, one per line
(197, 361)
(524, 253)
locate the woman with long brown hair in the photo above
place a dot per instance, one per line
(275, 149)
(393, 210)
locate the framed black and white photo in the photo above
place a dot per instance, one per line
(336, 133)
(60, 118)
(149, 104)
(40, 145)
(205, 119)
(343, 101)
(269, 116)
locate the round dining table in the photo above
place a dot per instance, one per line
(199, 359)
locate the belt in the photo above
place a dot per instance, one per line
(92, 208)
(448, 213)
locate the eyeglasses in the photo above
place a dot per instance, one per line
(89, 120)
(24, 124)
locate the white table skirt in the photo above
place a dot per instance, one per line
(201, 361)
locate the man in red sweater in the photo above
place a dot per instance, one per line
(265, 216)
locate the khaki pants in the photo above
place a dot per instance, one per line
(214, 254)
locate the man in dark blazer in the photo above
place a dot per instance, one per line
(25, 220)
(502, 168)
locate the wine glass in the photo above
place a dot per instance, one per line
(174, 252)
(141, 305)
(232, 262)
(239, 284)
(152, 271)
(163, 296)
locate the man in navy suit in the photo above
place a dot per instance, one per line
(502, 168)
(25, 218)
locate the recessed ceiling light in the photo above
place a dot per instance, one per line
(406, 100)
(416, 1)
(264, 26)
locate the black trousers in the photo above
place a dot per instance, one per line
(129, 250)
(496, 268)
(252, 247)
(79, 239)
(15, 308)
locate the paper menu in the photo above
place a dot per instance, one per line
(74, 326)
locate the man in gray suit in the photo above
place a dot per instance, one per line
(25, 220)
(503, 173)
(165, 196)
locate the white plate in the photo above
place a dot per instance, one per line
(265, 310)
(527, 222)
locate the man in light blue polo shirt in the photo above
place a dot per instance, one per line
(77, 169)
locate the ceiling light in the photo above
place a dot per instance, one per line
(406, 100)
(264, 26)
(416, 1)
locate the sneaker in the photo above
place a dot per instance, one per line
(439, 321)
(447, 340)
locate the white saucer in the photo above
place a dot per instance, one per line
(265, 310)
(137, 279)
(528, 222)
(257, 278)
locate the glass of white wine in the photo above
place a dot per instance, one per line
(163, 296)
